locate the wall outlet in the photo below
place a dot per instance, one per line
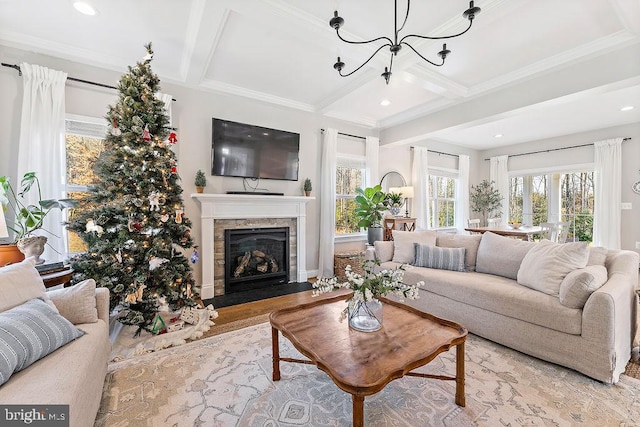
(626, 206)
(637, 245)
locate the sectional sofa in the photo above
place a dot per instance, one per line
(568, 304)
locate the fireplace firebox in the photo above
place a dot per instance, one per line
(255, 258)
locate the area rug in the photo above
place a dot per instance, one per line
(225, 380)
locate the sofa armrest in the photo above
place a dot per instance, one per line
(102, 303)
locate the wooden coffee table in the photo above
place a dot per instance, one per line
(363, 363)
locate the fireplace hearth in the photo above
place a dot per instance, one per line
(255, 258)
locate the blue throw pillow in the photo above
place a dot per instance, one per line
(28, 333)
(440, 258)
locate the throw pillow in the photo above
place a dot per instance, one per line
(403, 249)
(577, 286)
(501, 256)
(384, 250)
(470, 243)
(440, 258)
(547, 263)
(19, 283)
(77, 303)
(597, 255)
(30, 332)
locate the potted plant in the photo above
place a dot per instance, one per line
(485, 200)
(370, 203)
(28, 218)
(200, 181)
(394, 202)
(307, 187)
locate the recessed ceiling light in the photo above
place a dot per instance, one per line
(385, 102)
(498, 135)
(84, 8)
(627, 108)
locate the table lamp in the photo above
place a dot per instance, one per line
(407, 193)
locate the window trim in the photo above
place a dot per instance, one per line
(450, 174)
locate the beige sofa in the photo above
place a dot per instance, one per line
(594, 339)
(73, 374)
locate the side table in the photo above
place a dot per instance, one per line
(398, 223)
(62, 277)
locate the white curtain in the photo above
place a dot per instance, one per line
(499, 174)
(327, 202)
(371, 152)
(41, 145)
(462, 190)
(168, 101)
(608, 187)
(419, 177)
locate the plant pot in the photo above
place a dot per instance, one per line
(307, 193)
(374, 234)
(395, 210)
(33, 247)
(199, 189)
(10, 254)
(366, 316)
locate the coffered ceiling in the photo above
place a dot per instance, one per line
(282, 52)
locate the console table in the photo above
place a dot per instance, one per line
(398, 223)
(62, 277)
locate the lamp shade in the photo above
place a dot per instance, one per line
(3, 226)
(407, 192)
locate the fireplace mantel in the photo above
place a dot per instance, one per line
(240, 206)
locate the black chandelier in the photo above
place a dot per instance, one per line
(395, 45)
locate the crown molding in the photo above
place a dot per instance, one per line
(352, 118)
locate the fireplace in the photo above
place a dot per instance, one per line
(255, 258)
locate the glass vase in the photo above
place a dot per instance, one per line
(366, 316)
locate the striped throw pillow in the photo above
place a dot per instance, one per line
(28, 333)
(440, 258)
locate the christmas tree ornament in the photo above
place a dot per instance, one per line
(194, 255)
(173, 138)
(155, 262)
(145, 133)
(115, 131)
(137, 121)
(134, 225)
(92, 227)
(154, 201)
(186, 237)
(179, 214)
(174, 168)
(119, 256)
(164, 217)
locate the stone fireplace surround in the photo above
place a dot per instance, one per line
(248, 211)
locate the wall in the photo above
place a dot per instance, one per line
(192, 114)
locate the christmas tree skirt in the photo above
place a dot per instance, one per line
(126, 345)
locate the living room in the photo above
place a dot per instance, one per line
(553, 85)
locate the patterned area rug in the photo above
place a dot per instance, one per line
(225, 380)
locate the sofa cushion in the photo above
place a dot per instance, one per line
(383, 250)
(442, 258)
(30, 332)
(578, 285)
(499, 295)
(403, 250)
(19, 283)
(77, 303)
(470, 243)
(547, 263)
(501, 255)
(597, 255)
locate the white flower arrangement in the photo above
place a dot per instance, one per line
(369, 286)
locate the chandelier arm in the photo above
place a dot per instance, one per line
(418, 53)
(438, 37)
(365, 42)
(405, 17)
(365, 62)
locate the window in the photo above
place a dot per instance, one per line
(350, 174)
(442, 201)
(84, 141)
(554, 197)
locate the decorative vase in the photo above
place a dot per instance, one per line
(395, 210)
(33, 247)
(199, 189)
(366, 316)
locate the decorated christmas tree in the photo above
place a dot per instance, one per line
(132, 219)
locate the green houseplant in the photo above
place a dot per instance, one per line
(485, 200)
(27, 218)
(370, 204)
(200, 181)
(307, 187)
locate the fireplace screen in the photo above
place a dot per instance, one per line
(256, 258)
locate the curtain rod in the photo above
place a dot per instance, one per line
(556, 149)
(348, 134)
(440, 152)
(17, 68)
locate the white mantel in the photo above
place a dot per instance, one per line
(235, 206)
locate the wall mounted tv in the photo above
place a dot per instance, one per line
(249, 151)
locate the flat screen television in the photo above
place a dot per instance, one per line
(249, 151)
